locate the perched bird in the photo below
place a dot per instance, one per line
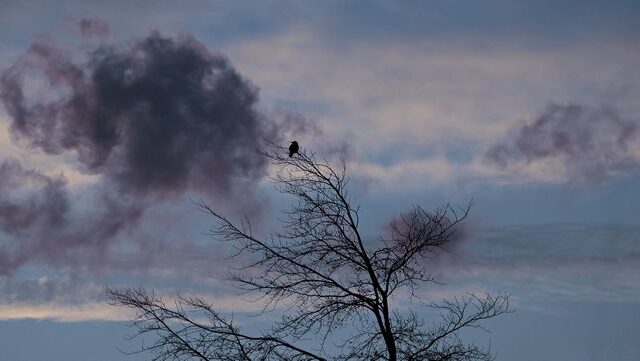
(293, 148)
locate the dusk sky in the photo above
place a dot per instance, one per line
(115, 115)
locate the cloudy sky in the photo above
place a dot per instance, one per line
(113, 115)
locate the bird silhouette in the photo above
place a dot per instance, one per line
(293, 148)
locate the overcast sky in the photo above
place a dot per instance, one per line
(114, 114)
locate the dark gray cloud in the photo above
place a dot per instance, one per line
(153, 118)
(93, 27)
(156, 117)
(590, 142)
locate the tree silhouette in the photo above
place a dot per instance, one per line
(329, 278)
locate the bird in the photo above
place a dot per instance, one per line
(293, 148)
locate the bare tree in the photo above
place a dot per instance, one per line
(329, 277)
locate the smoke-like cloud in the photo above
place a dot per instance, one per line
(93, 27)
(152, 119)
(590, 143)
(38, 221)
(156, 117)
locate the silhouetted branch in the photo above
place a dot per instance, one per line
(328, 276)
(191, 328)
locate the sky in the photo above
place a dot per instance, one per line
(115, 115)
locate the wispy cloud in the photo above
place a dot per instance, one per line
(535, 264)
(543, 263)
(587, 143)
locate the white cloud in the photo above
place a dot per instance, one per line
(93, 310)
(435, 171)
(68, 313)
